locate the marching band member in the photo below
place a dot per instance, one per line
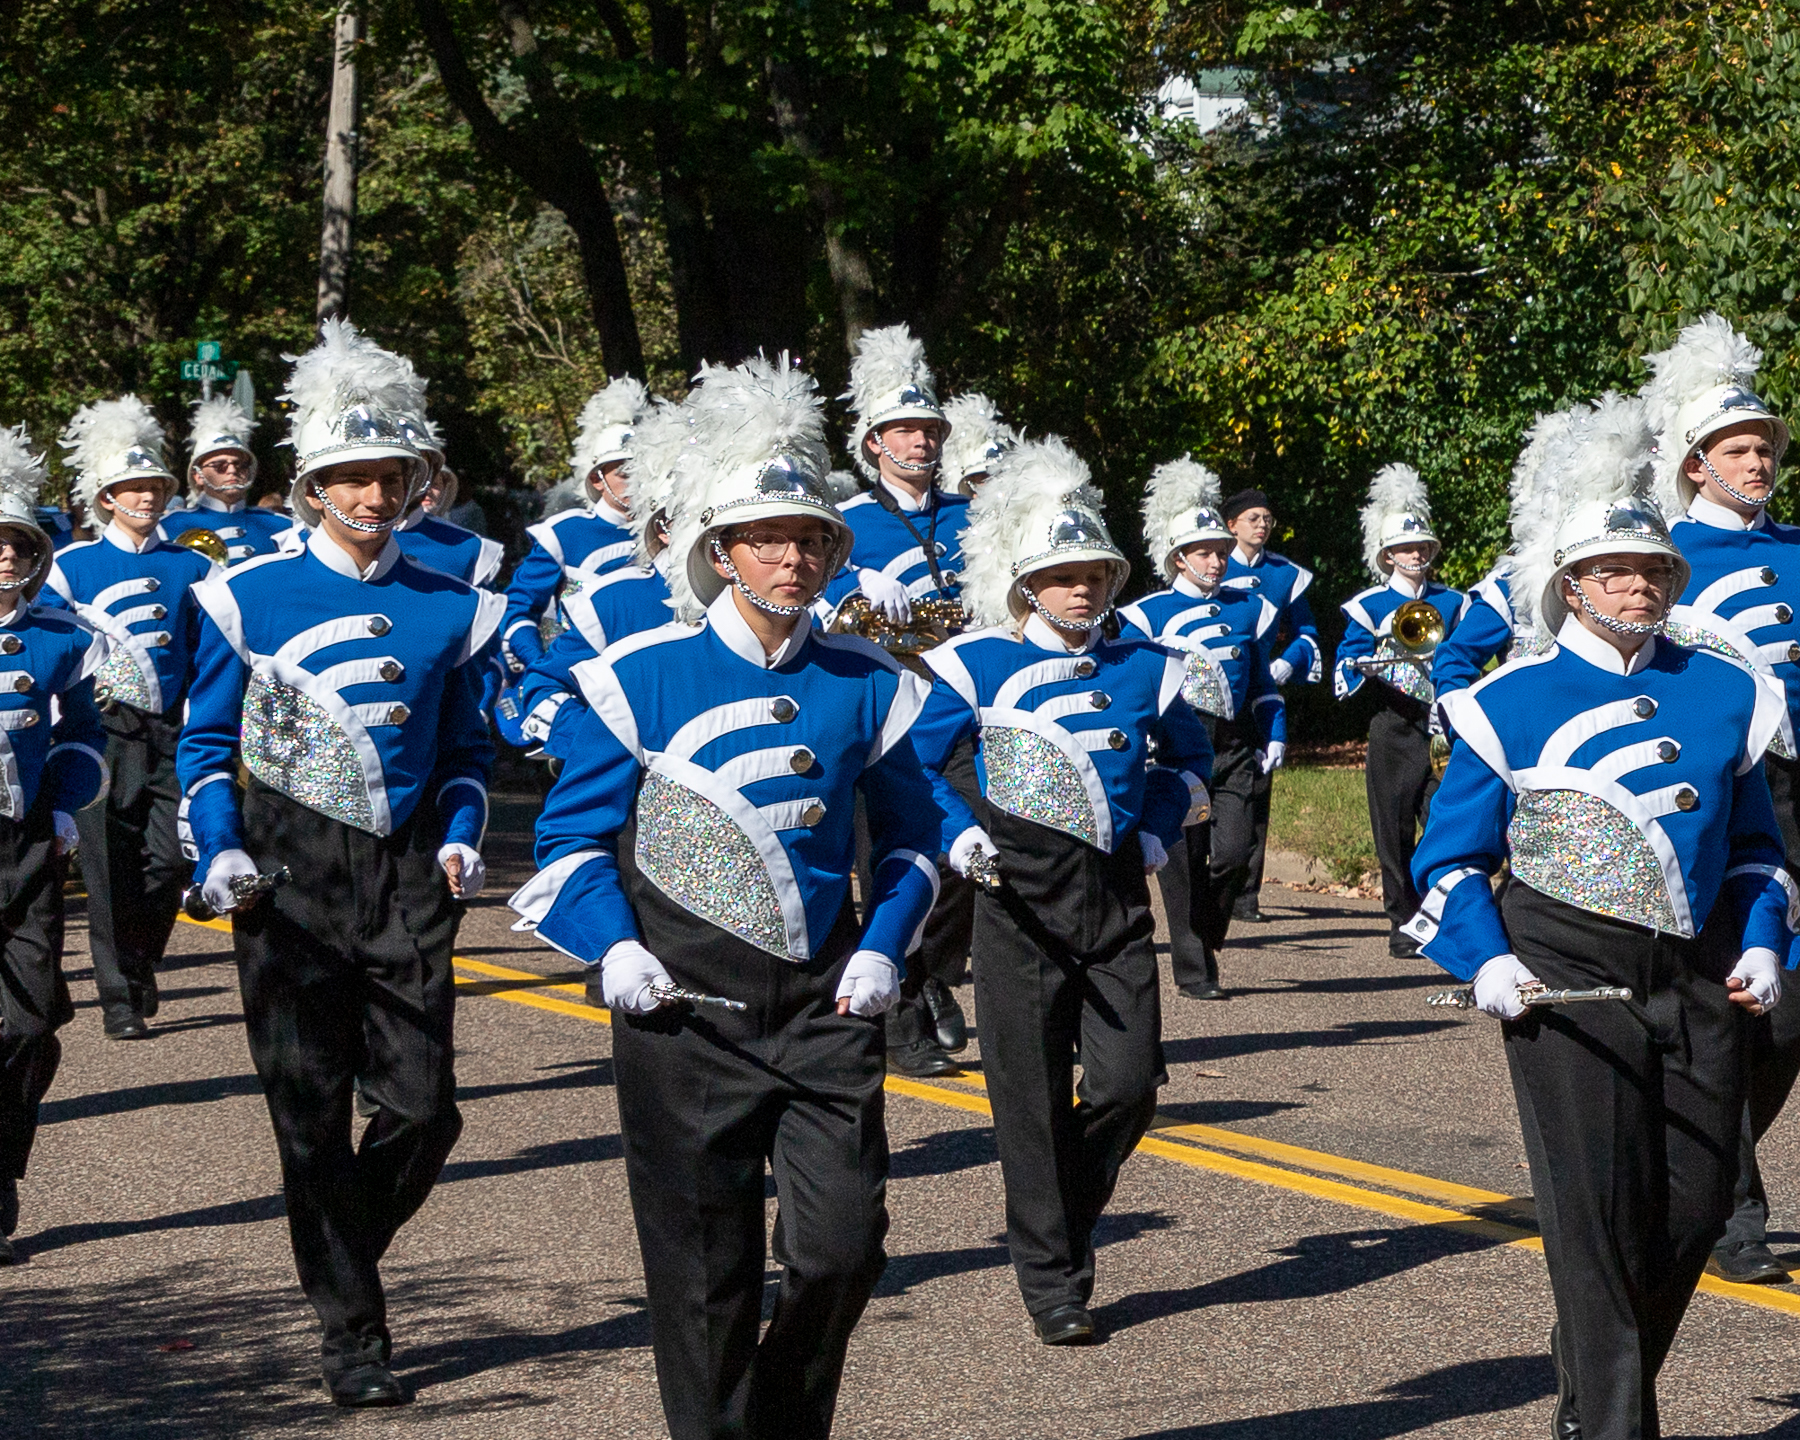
(593, 538)
(1225, 633)
(426, 536)
(738, 737)
(976, 440)
(1399, 547)
(1617, 772)
(907, 546)
(345, 674)
(221, 470)
(53, 768)
(138, 591)
(1074, 819)
(1718, 450)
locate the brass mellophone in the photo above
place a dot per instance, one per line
(1417, 631)
(207, 542)
(933, 622)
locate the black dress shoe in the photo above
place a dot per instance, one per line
(921, 1059)
(1565, 1424)
(1747, 1265)
(1248, 911)
(952, 1025)
(126, 1025)
(146, 999)
(7, 1257)
(9, 1206)
(1065, 1325)
(1403, 947)
(1205, 990)
(366, 1387)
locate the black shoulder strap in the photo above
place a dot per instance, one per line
(885, 499)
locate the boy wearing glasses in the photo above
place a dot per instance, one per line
(221, 469)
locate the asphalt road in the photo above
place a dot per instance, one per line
(1328, 1235)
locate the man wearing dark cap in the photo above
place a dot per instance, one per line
(1277, 579)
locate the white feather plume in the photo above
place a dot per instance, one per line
(975, 424)
(1009, 518)
(221, 416)
(21, 472)
(1395, 490)
(1176, 489)
(622, 402)
(347, 368)
(843, 486)
(1706, 354)
(99, 434)
(656, 445)
(564, 495)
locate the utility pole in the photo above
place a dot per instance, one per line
(340, 170)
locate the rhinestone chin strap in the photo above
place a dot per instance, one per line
(1418, 568)
(1613, 623)
(126, 509)
(1056, 622)
(916, 467)
(361, 527)
(605, 486)
(224, 487)
(768, 607)
(1721, 482)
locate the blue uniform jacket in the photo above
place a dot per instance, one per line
(1369, 616)
(1488, 630)
(1226, 637)
(743, 775)
(48, 652)
(357, 697)
(1284, 584)
(567, 549)
(884, 543)
(1635, 795)
(1064, 737)
(247, 530)
(144, 603)
(473, 559)
(626, 602)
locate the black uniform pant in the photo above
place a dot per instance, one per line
(346, 978)
(1774, 1062)
(1630, 1118)
(131, 858)
(709, 1103)
(1262, 797)
(34, 997)
(1066, 956)
(1217, 851)
(1400, 786)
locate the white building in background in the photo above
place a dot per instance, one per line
(1208, 99)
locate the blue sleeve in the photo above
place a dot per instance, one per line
(75, 767)
(841, 586)
(1480, 636)
(904, 825)
(534, 585)
(206, 754)
(548, 685)
(1264, 697)
(465, 752)
(1184, 757)
(1304, 654)
(1357, 644)
(945, 721)
(1756, 884)
(1458, 925)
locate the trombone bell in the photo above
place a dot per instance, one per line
(1418, 627)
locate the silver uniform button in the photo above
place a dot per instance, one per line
(378, 625)
(1235, 653)
(28, 719)
(1099, 699)
(158, 612)
(1668, 752)
(812, 815)
(152, 585)
(1794, 654)
(1085, 668)
(397, 716)
(1768, 576)
(11, 645)
(1783, 614)
(1118, 740)
(782, 709)
(392, 670)
(801, 760)
(951, 577)
(1643, 707)
(22, 684)
(1687, 799)
(161, 637)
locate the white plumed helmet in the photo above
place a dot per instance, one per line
(604, 430)
(651, 464)
(1038, 510)
(1181, 508)
(1700, 385)
(112, 441)
(889, 380)
(757, 452)
(220, 425)
(977, 439)
(1594, 467)
(1398, 513)
(21, 478)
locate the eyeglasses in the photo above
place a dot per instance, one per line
(232, 466)
(1616, 578)
(770, 546)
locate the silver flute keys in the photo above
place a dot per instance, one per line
(984, 870)
(1530, 996)
(244, 889)
(673, 994)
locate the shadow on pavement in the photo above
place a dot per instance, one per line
(1480, 1387)
(1218, 1112)
(577, 1075)
(906, 1271)
(1348, 985)
(147, 1097)
(944, 1153)
(231, 1212)
(550, 1156)
(1356, 1032)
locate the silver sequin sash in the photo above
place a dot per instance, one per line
(121, 678)
(1404, 675)
(1030, 777)
(701, 858)
(1576, 848)
(1698, 637)
(292, 744)
(1204, 686)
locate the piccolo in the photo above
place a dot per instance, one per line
(984, 870)
(674, 994)
(244, 889)
(1531, 996)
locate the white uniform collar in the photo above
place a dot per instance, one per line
(1041, 633)
(906, 500)
(1412, 589)
(17, 613)
(1184, 585)
(1583, 642)
(610, 512)
(741, 640)
(1705, 512)
(205, 500)
(335, 557)
(1238, 555)
(117, 534)
(414, 520)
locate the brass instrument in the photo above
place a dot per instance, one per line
(207, 542)
(1418, 627)
(1440, 755)
(1403, 656)
(933, 622)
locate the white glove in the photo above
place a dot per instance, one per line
(886, 594)
(871, 983)
(966, 846)
(1280, 671)
(225, 865)
(1497, 987)
(474, 869)
(67, 835)
(627, 971)
(1155, 857)
(1760, 971)
(1271, 756)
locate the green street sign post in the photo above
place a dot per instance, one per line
(208, 350)
(208, 369)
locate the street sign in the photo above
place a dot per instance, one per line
(208, 369)
(208, 350)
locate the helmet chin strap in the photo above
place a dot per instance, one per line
(1056, 622)
(1612, 622)
(768, 607)
(913, 467)
(119, 509)
(361, 527)
(1422, 568)
(1721, 482)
